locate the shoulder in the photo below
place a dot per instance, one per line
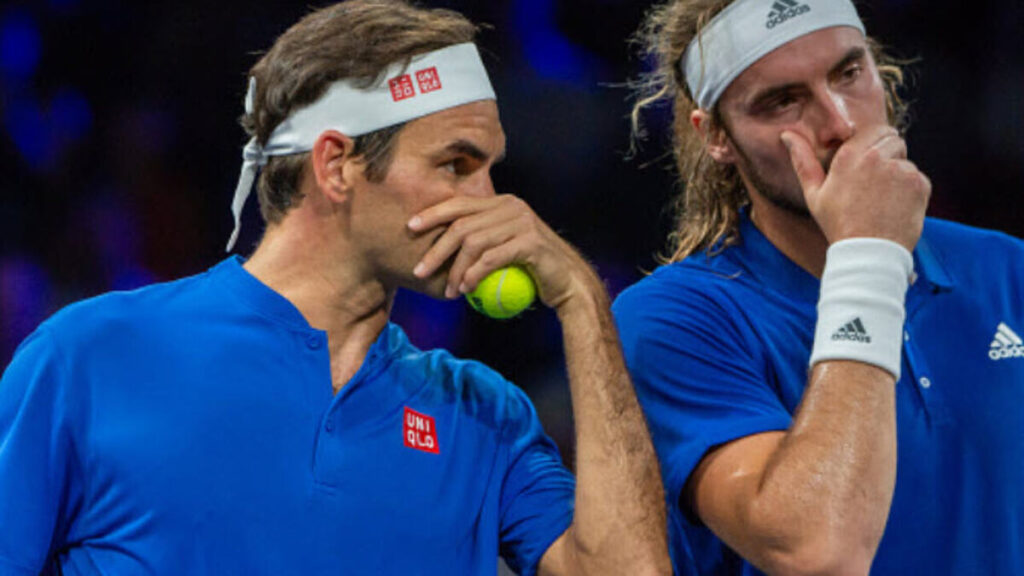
(683, 294)
(973, 253)
(692, 314)
(115, 313)
(947, 236)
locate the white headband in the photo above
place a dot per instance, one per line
(432, 82)
(747, 30)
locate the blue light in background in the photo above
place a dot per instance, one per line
(20, 45)
(429, 323)
(70, 113)
(131, 278)
(30, 132)
(549, 53)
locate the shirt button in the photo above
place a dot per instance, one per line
(906, 336)
(329, 426)
(925, 383)
(313, 342)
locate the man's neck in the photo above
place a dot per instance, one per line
(330, 290)
(798, 237)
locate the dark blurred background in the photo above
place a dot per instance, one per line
(119, 146)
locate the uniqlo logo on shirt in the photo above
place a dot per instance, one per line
(428, 80)
(420, 432)
(401, 88)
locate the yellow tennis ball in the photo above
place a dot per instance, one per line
(504, 293)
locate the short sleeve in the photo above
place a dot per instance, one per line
(699, 371)
(537, 494)
(35, 456)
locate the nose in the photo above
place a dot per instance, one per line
(834, 125)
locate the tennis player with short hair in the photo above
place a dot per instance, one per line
(266, 417)
(833, 381)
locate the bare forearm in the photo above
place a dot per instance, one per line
(619, 524)
(824, 496)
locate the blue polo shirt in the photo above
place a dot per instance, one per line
(191, 428)
(718, 350)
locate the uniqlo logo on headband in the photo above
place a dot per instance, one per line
(420, 433)
(428, 80)
(401, 88)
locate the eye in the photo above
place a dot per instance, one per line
(783, 102)
(449, 167)
(780, 104)
(852, 73)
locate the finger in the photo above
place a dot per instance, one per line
(448, 211)
(497, 257)
(891, 146)
(471, 250)
(452, 239)
(806, 165)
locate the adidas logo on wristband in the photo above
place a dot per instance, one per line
(853, 331)
(1006, 344)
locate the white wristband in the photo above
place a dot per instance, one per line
(860, 309)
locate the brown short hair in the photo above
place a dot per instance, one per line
(355, 40)
(707, 210)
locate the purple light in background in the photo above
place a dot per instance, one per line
(25, 299)
(114, 231)
(617, 276)
(64, 5)
(20, 45)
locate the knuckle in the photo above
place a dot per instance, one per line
(457, 228)
(925, 185)
(872, 156)
(519, 205)
(488, 260)
(472, 243)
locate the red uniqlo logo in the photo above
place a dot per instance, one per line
(428, 80)
(401, 88)
(420, 432)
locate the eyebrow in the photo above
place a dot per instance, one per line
(467, 148)
(852, 55)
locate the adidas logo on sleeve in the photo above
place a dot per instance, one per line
(783, 10)
(1006, 344)
(853, 331)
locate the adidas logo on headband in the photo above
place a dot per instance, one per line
(783, 10)
(739, 35)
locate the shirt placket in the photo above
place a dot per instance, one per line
(917, 372)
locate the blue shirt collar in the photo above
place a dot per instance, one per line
(757, 256)
(930, 267)
(263, 300)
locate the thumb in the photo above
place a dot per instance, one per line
(805, 163)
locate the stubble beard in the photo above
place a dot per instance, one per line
(789, 200)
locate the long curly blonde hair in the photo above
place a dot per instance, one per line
(707, 209)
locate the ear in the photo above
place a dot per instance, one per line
(716, 141)
(334, 167)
